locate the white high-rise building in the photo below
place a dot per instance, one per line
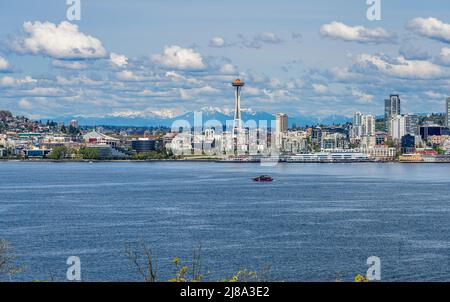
(363, 125)
(368, 125)
(402, 125)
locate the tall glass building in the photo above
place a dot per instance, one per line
(391, 109)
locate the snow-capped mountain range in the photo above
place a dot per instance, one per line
(166, 118)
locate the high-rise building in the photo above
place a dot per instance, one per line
(281, 127)
(412, 124)
(363, 125)
(447, 112)
(392, 108)
(282, 123)
(402, 125)
(357, 118)
(368, 125)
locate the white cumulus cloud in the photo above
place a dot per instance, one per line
(401, 67)
(269, 37)
(4, 65)
(361, 34)
(75, 65)
(361, 96)
(187, 94)
(218, 42)
(431, 28)
(10, 81)
(60, 41)
(117, 60)
(444, 56)
(228, 69)
(127, 75)
(180, 58)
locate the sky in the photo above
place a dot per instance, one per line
(163, 58)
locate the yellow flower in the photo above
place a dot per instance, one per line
(361, 278)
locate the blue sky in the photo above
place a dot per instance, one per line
(144, 58)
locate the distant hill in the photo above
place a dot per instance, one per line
(4, 114)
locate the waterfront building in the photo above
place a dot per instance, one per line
(368, 141)
(432, 130)
(334, 141)
(143, 145)
(380, 152)
(408, 143)
(36, 153)
(437, 140)
(316, 135)
(380, 137)
(441, 158)
(328, 156)
(96, 136)
(415, 157)
(295, 142)
(103, 150)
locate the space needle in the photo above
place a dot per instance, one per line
(237, 84)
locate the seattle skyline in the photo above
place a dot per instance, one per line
(106, 65)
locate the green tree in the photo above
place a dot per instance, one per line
(73, 130)
(89, 153)
(59, 153)
(439, 149)
(7, 260)
(155, 155)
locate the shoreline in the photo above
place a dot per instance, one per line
(206, 160)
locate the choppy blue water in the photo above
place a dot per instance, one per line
(314, 222)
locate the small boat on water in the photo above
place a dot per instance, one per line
(263, 178)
